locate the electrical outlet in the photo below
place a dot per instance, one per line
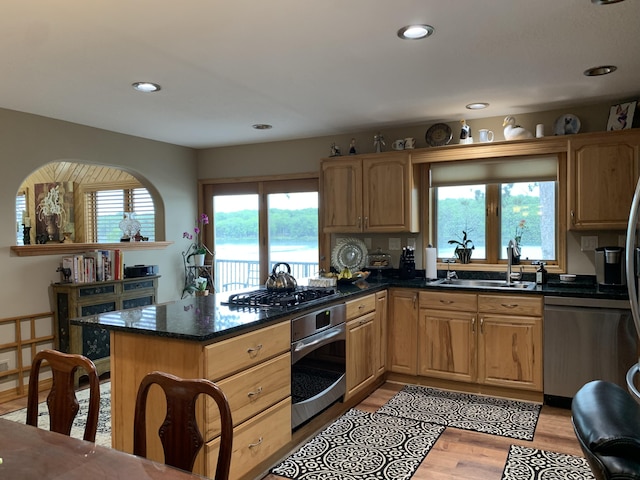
(411, 243)
(588, 243)
(394, 244)
(367, 242)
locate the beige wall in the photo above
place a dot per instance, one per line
(30, 141)
(300, 156)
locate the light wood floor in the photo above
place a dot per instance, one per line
(461, 454)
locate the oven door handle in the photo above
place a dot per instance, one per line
(301, 345)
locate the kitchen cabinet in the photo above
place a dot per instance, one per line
(380, 340)
(447, 335)
(253, 369)
(485, 339)
(361, 345)
(602, 175)
(369, 193)
(72, 300)
(402, 328)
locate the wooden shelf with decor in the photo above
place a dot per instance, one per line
(64, 248)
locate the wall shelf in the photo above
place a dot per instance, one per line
(66, 248)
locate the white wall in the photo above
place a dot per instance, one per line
(30, 141)
(300, 156)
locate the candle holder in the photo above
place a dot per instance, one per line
(26, 235)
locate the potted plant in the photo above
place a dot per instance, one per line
(463, 247)
(197, 249)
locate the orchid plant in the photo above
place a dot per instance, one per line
(197, 247)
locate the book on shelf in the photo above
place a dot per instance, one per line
(94, 266)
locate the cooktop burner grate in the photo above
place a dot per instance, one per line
(267, 298)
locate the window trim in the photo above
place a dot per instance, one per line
(428, 222)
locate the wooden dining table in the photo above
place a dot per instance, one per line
(28, 452)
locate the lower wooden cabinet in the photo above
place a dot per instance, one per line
(254, 440)
(361, 345)
(380, 333)
(485, 339)
(402, 328)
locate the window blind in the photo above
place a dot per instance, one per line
(475, 172)
(104, 210)
(21, 206)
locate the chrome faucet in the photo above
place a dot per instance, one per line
(451, 273)
(510, 247)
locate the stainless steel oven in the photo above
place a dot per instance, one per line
(318, 365)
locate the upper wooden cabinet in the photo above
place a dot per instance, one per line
(603, 170)
(369, 193)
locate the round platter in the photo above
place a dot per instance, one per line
(350, 253)
(566, 124)
(438, 135)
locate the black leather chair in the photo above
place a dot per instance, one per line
(606, 420)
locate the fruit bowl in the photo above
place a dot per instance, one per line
(356, 276)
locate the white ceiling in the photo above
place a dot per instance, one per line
(309, 68)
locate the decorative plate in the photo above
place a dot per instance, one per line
(566, 124)
(438, 135)
(350, 253)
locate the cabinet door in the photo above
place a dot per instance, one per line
(388, 189)
(360, 353)
(342, 195)
(602, 179)
(403, 325)
(380, 341)
(510, 351)
(447, 345)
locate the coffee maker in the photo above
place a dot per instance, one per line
(610, 267)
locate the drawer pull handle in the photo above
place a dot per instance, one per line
(253, 394)
(509, 305)
(446, 302)
(254, 350)
(257, 444)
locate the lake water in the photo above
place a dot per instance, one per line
(279, 253)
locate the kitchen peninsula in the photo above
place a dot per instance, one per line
(249, 350)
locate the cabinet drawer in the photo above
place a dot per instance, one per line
(230, 356)
(138, 285)
(360, 306)
(462, 302)
(251, 392)
(253, 441)
(96, 289)
(510, 304)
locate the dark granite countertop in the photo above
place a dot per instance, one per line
(205, 319)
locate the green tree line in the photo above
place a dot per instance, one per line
(284, 225)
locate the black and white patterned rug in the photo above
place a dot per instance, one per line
(525, 463)
(497, 416)
(361, 445)
(103, 435)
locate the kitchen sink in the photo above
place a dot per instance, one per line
(473, 283)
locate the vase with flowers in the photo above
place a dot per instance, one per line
(515, 258)
(197, 250)
(51, 212)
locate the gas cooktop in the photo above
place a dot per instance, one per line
(279, 299)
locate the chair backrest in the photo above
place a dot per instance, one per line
(180, 436)
(62, 402)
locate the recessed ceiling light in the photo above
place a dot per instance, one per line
(605, 2)
(262, 126)
(602, 70)
(415, 32)
(146, 87)
(477, 105)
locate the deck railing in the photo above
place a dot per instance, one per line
(237, 274)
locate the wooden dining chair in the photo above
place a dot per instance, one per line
(61, 401)
(179, 433)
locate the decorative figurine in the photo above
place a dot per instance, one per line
(513, 131)
(378, 142)
(26, 235)
(335, 150)
(465, 133)
(352, 147)
(66, 274)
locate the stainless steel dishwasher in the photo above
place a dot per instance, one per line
(585, 339)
